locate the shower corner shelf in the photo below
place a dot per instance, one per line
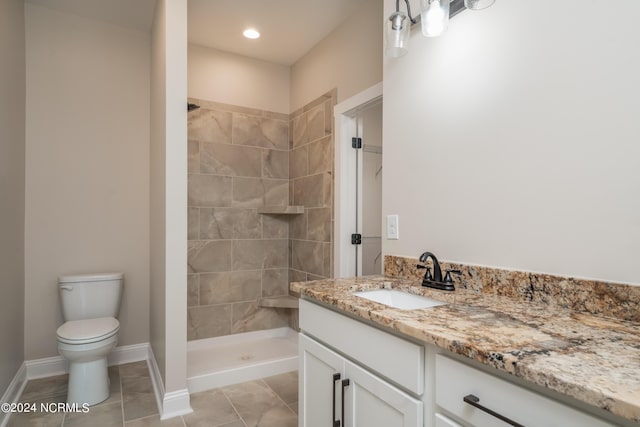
(285, 301)
(281, 210)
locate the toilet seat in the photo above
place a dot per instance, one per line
(88, 330)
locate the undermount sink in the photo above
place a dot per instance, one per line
(399, 299)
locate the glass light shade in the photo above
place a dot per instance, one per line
(434, 15)
(397, 34)
(478, 4)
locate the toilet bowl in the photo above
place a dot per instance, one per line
(90, 333)
(86, 345)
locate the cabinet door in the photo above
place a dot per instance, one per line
(372, 402)
(319, 390)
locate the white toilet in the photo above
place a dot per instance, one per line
(90, 304)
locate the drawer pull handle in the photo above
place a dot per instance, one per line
(474, 401)
(336, 423)
(345, 384)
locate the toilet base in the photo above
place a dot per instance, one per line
(88, 382)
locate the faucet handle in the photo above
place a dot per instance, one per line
(447, 276)
(427, 274)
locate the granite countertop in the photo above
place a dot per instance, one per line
(594, 359)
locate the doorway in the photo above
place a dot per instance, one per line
(358, 225)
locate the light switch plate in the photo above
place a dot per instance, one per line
(392, 227)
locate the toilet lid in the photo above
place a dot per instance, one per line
(78, 331)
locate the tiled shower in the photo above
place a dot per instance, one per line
(240, 161)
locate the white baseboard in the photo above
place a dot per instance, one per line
(51, 366)
(13, 392)
(176, 403)
(172, 404)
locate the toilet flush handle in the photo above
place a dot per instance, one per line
(66, 287)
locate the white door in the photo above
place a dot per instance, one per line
(319, 384)
(372, 402)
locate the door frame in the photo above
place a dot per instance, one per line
(344, 113)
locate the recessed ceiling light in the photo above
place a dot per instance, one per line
(250, 33)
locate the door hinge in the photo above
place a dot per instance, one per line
(356, 239)
(356, 142)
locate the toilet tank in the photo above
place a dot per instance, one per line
(91, 295)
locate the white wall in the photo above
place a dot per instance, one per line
(238, 80)
(513, 140)
(12, 190)
(168, 192)
(87, 167)
(349, 59)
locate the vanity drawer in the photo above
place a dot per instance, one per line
(456, 381)
(396, 359)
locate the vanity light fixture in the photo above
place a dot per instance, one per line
(398, 28)
(251, 33)
(434, 18)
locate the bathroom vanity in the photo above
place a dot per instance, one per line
(478, 360)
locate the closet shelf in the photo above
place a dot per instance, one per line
(281, 210)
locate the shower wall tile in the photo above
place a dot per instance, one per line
(328, 259)
(230, 223)
(209, 126)
(208, 321)
(298, 226)
(319, 224)
(309, 191)
(275, 226)
(209, 256)
(260, 131)
(299, 135)
(219, 288)
(308, 256)
(209, 190)
(315, 123)
(298, 162)
(275, 282)
(275, 164)
(212, 105)
(328, 117)
(311, 166)
(328, 185)
(297, 276)
(321, 155)
(254, 192)
(231, 160)
(240, 160)
(193, 156)
(248, 316)
(193, 290)
(259, 254)
(193, 223)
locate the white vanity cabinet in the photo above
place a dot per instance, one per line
(484, 400)
(354, 388)
(356, 375)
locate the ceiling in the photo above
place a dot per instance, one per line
(289, 28)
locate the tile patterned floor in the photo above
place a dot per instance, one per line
(269, 402)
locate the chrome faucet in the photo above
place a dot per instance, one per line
(436, 281)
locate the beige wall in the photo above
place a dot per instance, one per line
(520, 129)
(168, 193)
(238, 80)
(349, 59)
(87, 156)
(12, 190)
